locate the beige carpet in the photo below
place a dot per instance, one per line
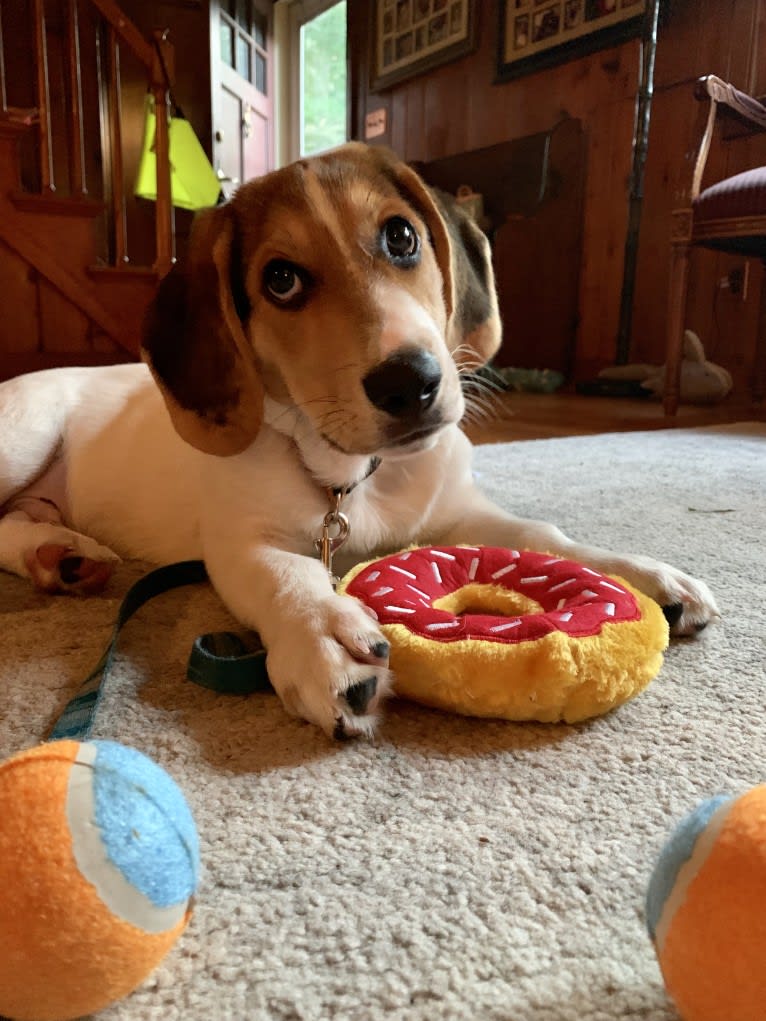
(454, 869)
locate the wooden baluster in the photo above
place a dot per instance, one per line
(77, 182)
(115, 135)
(162, 79)
(43, 98)
(3, 90)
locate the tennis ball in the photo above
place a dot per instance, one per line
(706, 910)
(99, 859)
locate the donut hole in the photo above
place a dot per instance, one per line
(487, 600)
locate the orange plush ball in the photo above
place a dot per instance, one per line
(706, 910)
(98, 864)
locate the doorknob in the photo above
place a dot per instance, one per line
(247, 120)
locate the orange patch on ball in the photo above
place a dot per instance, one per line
(86, 830)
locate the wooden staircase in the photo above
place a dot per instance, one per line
(80, 257)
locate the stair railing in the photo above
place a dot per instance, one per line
(157, 58)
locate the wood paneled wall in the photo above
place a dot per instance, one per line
(458, 107)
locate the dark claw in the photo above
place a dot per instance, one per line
(380, 650)
(359, 695)
(701, 627)
(673, 613)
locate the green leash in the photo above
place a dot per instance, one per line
(231, 662)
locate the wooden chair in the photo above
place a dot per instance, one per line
(729, 216)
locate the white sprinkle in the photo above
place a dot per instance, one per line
(407, 574)
(609, 609)
(381, 592)
(589, 593)
(538, 579)
(561, 603)
(555, 560)
(614, 588)
(400, 609)
(443, 555)
(442, 624)
(506, 627)
(471, 549)
(373, 576)
(423, 595)
(406, 556)
(589, 570)
(503, 571)
(562, 584)
(565, 617)
(437, 575)
(473, 568)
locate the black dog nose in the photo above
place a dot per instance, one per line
(405, 384)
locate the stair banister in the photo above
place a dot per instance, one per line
(157, 58)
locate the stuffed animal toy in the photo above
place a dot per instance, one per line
(702, 382)
(511, 634)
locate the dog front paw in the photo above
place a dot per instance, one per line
(688, 604)
(332, 669)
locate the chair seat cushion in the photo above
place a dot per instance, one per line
(739, 196)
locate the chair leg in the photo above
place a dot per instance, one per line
(679, 272)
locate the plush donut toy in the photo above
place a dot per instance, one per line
(517, 635)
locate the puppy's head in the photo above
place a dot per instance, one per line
(335, 286)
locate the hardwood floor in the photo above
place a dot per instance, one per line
(527, 416)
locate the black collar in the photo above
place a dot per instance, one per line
(345, 490)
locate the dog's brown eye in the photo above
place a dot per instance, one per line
(400, 241)
(282, 281)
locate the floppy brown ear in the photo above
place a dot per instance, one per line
(476, 331)
(194, 342)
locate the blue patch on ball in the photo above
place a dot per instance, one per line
(674, 855)
(135, 830)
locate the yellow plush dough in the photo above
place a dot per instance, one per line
(510, 634)
(69, 812)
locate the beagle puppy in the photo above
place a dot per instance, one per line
(308, 353)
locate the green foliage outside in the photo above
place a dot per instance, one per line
(324, 80)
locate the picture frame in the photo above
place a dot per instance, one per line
(413, 36)
(537, 34)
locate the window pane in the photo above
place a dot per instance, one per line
(260, 73)
(259, 29)
(227, 44)
(243, 14)
(243, 57)
(323, 80)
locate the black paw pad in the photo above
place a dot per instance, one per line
(381, 649)
(340, 730)
(673, 613)
(359, 695)
(69, 570)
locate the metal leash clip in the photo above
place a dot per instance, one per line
(328, 544)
